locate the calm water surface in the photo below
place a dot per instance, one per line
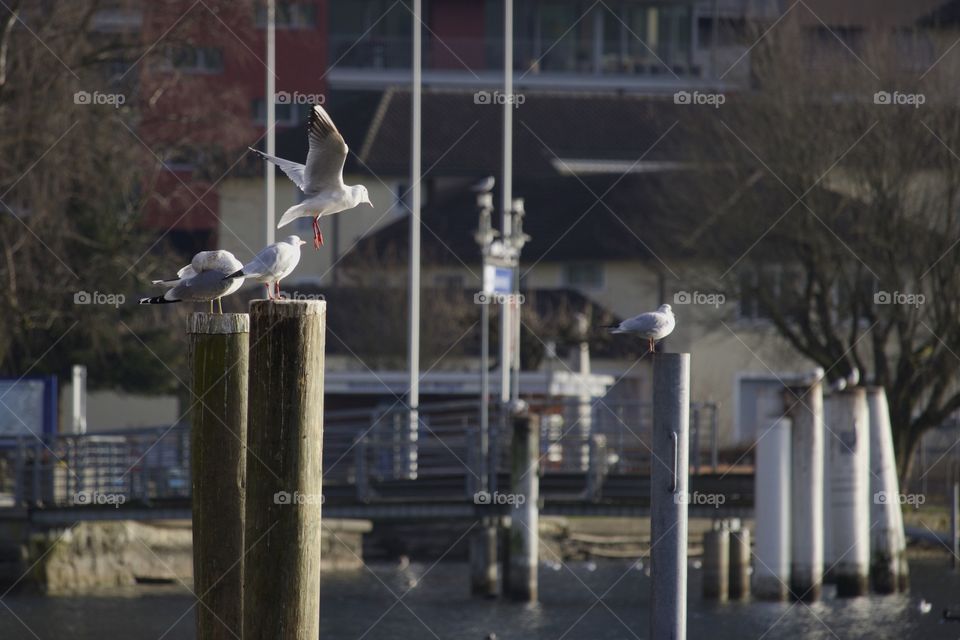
(606, 603)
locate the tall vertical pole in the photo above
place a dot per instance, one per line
(79, 399)
(524, 551)
(284, 470)
(668, 489)
(218, 435)
(413, 349)
(271, 103)
(506, 310)
(886, 518)
(955, 522)
(806, 500)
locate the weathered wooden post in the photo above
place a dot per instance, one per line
(669, 485)
(771, 572)
(524, 551)
(887, 539)
(716, 562)
(284, 470)
(806, 498)
(218, 361)
(849, 506)
(955, 523)
(739, 563)
(483, 559)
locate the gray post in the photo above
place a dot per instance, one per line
(955, 524)
(806, 500)
(483, 560)
(850, 490)
(772, 504)
(887, 539)
(218, 434)
(716, 562)
(739, 564)
(524, 552)
(668, 492)
(284, 470)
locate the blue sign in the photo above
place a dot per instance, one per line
(497, 279)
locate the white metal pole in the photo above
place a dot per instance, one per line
(79, 398)
(271, 103)
(506, 310)
(414, 343)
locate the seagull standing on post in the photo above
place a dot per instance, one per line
(274, 262)
(200, 281)
(655, 325)
(321, 179)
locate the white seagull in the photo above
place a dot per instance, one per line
(201, 280)
(275, 262)
(321, 179)
(655, 325)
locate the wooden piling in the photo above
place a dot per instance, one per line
(668, 490)
(524, 551)
(739, 564)
(772, 490)
(284, 470)
(218, 361)
(887, 538)
(716, 563)
(483, 560)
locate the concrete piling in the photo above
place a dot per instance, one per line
(771, 571)
(669, 486)
(219, 359)
(849, 447)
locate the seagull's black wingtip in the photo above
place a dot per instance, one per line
(235, 274)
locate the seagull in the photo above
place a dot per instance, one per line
(655, 325)
(275, 262)
(200, 281)
(485, 185)
(321, 179)
(924, 606)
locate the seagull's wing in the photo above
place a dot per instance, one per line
(264, 263)
(294, 170)
(646, 323)
(208, 285)
(328, 152)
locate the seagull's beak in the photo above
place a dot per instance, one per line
(303, 242)
(370, 203)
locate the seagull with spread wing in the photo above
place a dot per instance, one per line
(321, 179)
(200, 281)
(655, 325)
(274, 262)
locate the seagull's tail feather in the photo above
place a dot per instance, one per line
(235, 274)
(291, 214)
(167, 283)
(156, 300)
(613, 328)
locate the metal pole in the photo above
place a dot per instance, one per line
(506, 325)
(271, 122)
(413, 349)
(484, 397)
(79, 398)
(668, 488)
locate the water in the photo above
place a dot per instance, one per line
(575, 603)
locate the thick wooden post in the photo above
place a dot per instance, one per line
(219, 358)
(524, 551)
(771, 572)
(739, 563)
(716, 562)
(284, 470)
(668, 496)
(887, 539)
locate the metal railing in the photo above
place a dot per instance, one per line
(372, 454)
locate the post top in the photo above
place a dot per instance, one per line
(284, 308)
(201, 322)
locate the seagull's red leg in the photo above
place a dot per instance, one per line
(269, 297)
(652, 345)
(317, 234)
(277, 285)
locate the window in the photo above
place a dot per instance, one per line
(290, 15)
(584, 275)
(196, 59)
(781, 285)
